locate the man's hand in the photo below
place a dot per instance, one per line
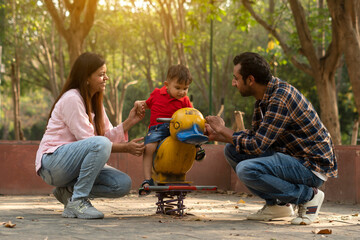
(212, 135)
(216, 131)
(216, 123)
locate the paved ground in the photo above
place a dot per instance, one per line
(209, 216)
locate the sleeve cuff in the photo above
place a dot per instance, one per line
(236, 139)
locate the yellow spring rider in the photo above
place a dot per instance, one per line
(174, 157)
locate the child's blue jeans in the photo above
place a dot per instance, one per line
(274, 176)
(157, 133)
(82, 164)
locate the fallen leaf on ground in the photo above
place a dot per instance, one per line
(241, 201)
(322, 231)
(9, 224)
(20, 217)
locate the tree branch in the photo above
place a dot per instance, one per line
(89, 17)
(287, 50)
(69, 6)
(55, 15)
(307, 45)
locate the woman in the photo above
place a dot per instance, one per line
(79, 139)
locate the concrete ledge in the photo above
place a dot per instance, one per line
(18, 177)
(17, 169)
(346, 187)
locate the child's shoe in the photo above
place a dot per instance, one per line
(142, 191)
(200, 153)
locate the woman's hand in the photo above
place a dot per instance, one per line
(132, 119)
(135, 147)
(140, 107)
(136, 115)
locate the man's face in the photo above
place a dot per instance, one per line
(240, 83)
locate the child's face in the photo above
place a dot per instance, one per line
(175, 89)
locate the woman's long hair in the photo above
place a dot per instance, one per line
(85, 65)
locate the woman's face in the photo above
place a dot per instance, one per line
(97, 80)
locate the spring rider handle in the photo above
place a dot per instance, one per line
(164, 120)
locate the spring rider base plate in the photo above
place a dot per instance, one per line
(171, 197)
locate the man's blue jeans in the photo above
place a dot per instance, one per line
(274, 176)
(82, 164)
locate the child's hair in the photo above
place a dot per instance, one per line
(180, 73)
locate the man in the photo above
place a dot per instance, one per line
(288, 153)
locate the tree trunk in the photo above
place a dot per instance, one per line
(50, 64)
(15, 82)
(355, 132)
(165, 18)
(61, 63)
(322, 69)
(346, 14)
(180, 32)
(326, 90)
(321, 35)
(75, 47)
(173, 28)
(82, 14)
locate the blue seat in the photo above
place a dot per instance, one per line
(192, 135)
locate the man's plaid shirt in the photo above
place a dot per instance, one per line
(285, 121)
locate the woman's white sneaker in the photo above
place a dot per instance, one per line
(62, 194)
(81, 208)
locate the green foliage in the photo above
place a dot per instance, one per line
(242, 18)
(132, 41)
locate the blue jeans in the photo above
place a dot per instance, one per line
(157, 133)
(274, 176)
(81, 164)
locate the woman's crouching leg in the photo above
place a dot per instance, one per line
(111, 183)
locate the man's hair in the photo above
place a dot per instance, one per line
(255, 65)
(180, 73)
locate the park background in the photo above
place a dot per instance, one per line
(312, 44)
